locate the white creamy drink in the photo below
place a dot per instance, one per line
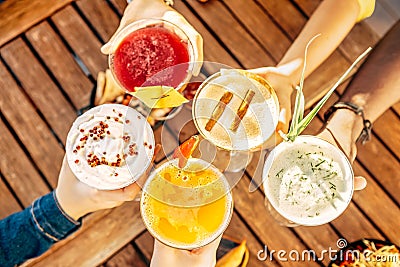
(257, 124)
(110, 146)
(309, 181)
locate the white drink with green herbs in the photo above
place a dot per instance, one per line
(308, 181)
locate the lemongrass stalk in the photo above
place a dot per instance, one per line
(298, 123)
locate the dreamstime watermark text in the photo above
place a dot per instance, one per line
(332, 254)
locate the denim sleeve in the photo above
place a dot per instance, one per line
(29, 233)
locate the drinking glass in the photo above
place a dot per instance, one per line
(307, 182)
(186, 208)
(152, 52)
(255, 127)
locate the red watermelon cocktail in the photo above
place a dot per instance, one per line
(150, 53)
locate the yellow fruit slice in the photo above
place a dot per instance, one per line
(159, 96)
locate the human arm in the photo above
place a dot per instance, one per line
(53, 217)
(168, 256)
(374, 89)
(333, 20)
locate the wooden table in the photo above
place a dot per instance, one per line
(49, 62)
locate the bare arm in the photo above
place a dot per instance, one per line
(333, 19)
(375, 88)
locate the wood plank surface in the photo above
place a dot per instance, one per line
(102, 18)
(100, 240)
(213, 49)
(387, 127)
(40, 143)
(238, 231)
(7, 197)
(386, 171)
(19, 171)
(127, 256)
(81, 39)
(239, 42)
(39, 86)
(119, 5)
(261, 26)
(285, 14)
(145, 242)
(61, 44)
(19, 15)
(61, 63)
(251, 206)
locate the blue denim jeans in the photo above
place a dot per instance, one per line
(31, 232)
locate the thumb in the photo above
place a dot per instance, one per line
(359, 183)
(106, 48)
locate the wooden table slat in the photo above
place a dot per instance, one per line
(126, 257)
(7, 197)
(81, 39)
(145, 242)
(352, 218)
(21, 175)
(30, 128)
(239, 41)
(61, 63)
(251, 206)
(378, 206)
(213, 50)
(387, 127)
(238, 231)
(18, 16)
(101, 16)
(120, 5)
(285, 14)
(261, 26)
(39, 86)
(122, 224)
(386, 170)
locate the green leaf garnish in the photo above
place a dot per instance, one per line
(299, 123)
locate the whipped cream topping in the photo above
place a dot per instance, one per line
(110, 146)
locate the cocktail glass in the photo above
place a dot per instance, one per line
(307, 182)
(186, 208)
(152, 52)
(254, 128)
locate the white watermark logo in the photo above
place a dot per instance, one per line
(332, 254)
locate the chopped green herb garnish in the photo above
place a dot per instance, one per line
(319, 163)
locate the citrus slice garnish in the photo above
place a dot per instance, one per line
(185, 150)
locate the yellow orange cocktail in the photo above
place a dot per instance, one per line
(186, 208)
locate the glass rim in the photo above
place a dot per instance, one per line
(347, 169)
(134, 176)
(152, 22)
(251, 76)
(180, 245)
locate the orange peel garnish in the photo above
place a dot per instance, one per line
(185, 150)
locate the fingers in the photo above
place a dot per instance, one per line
(359, 183)
(130, 192)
